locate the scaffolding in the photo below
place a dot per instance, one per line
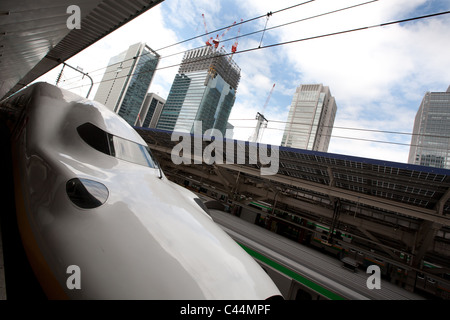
(217, 61)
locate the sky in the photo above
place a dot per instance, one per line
(378, 76)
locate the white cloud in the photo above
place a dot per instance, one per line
(378, 76)
(150, 28)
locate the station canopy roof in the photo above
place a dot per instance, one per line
(391, 208)
(35, 38)
(416, 191)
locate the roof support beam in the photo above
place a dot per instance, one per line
(345, 219)
(51, 38)
(224, 176)
(379, 244)
(442, 201)
(385, 204)
(425, 237)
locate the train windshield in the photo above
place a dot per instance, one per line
(115, 146)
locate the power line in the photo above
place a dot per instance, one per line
(280, 25)
(211, 32)
(242, 22)
(354, 138)
(303, 19)
(299, 40)
(300, 131)
(247, 34)
(351, 128)
(332, 34)
(347, 31)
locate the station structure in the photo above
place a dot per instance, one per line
(391, 214)
(363, 210)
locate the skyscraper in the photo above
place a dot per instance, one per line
(310, 119)
(430, 142)
(150, 111)
(126, 81)
(203, 90)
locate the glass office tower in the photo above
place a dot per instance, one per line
(310, 119)
(150, 111)
(126, 81)
(430, 142)
(203, 90)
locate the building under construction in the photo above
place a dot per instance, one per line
(203, 90)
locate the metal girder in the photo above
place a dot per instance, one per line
(439, 270)
(378, 242)
(260, 193)
(332, 180)
(425, 237)
(362, 224)
(303, 206)
(229, 184)
(394, 198)
(378, 202)
(224, 176)
(440, 204)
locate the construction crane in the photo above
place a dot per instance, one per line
(261, 121)
(268, 98)
(216, 41)
(234, 46)
(209, 41)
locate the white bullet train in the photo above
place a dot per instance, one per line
(99, 220)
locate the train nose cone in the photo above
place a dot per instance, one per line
(160, 245)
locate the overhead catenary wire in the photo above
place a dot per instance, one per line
(295, 131)
(354, 138)
(242, 22)
(328, 35)
(347, 31)
(297, 41)
(247, 34)
(344, 31)
(351, 128)
(306, 131)
(215, 31)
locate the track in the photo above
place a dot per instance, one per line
(322, 269)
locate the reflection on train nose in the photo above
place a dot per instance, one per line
(86, 194)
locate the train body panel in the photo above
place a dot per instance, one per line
(91, 196)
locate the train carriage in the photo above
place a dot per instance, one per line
(91, 197)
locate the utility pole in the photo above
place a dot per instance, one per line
(262, 121)
(76, 69)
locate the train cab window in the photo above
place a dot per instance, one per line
(95, 137)
(133, 152)
(115, 146)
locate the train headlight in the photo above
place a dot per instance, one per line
(86, 194)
